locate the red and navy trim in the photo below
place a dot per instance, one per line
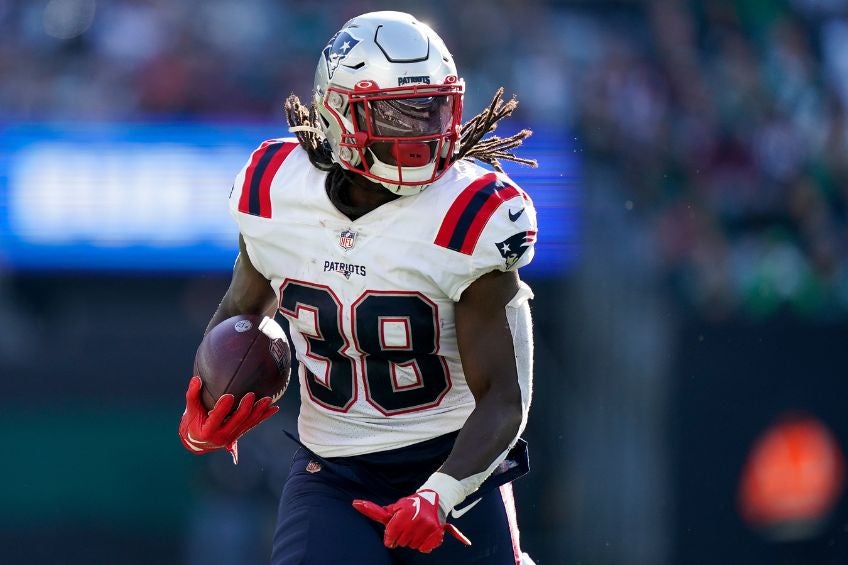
(470, 212)
(264, 163)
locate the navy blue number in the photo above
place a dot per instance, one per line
(335, 388)
(398, 335)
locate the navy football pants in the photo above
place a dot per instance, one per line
(316, 524)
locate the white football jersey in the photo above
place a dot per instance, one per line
(370, 302)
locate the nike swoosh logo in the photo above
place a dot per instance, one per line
(456, 512)
(195, 444)
(416, 502)
(514, 217)
(197, 441)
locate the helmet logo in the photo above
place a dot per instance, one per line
(337, 49)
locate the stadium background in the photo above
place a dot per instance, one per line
(691, 279)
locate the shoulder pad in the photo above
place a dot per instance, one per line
(477, 206)
(253, 185)
(492, 222)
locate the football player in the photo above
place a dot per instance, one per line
(393, 257)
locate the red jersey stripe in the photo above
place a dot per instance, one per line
(255, 198)
(268, 176)
(244, 198)
(482, 218)
(468, 215)
(459, 205)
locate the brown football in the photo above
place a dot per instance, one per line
(243, 354)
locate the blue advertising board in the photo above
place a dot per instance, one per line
(153, 197)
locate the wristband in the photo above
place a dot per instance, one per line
(450, 491)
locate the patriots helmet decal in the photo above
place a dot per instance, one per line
(337, 49)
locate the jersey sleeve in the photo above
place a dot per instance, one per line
(250, 198)
(492, 225)
(251, 192)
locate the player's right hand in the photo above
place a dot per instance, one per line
(202, 431)
(413, 521)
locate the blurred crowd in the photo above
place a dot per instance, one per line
(148, 59)
(726, 124)
(723, 122)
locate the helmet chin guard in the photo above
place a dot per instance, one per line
(389, 101)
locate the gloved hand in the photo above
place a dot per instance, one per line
(201, 432)
(412, 521)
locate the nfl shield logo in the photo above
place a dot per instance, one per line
(347, 238)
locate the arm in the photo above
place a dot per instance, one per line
(495, 344)
(495, 341)
(488, 360)
(248, 293)
(220, 428)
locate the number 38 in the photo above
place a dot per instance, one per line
(382, 359)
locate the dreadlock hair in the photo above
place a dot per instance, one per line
(472, 141)
(493, 148)
(317, 148)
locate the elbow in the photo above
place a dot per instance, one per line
(512, 415)
(517, 419)
(502, 403)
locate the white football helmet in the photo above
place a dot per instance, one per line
(389, 100)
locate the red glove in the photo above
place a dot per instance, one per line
(412, 521)
(201, 432)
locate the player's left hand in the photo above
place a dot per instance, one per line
(412, 521)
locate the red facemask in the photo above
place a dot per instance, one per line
(405, 127)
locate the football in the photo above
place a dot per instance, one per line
(243, 354)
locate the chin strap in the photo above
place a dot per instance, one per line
(381, 169)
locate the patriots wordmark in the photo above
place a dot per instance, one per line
(423, 79)
(345, 269)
